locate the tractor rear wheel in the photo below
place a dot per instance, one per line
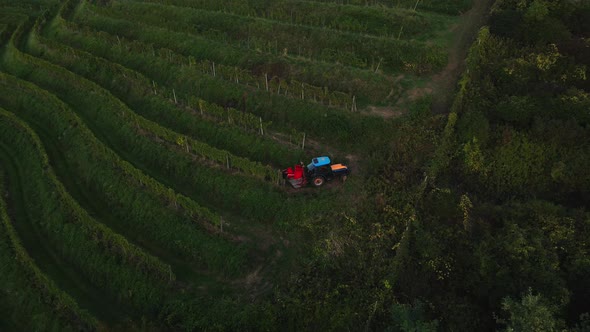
(318, 181)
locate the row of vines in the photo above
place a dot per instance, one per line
(391, 55)
(105, 259)
(373, 20)
(53, 307)
(285, 113)
(366, 85)
(207, 185)
(192, 116)
(145, 198)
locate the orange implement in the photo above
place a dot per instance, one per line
(337, 167)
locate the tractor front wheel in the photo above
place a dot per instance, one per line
(318, 181)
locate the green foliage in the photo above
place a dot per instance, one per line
(530, 314)
(505, 23)
(285, 113)
(584, 324)
(275, 38)
(251, 64)
(457, 214)
(445, 152)
(105, 258)
(532, 22)
(452, 7)
(473, 125)
(114, 183)
(518, 166)
(534, 88)
(28, 291)
(517, 110)
(474, 159)
(192, 146)
(408, 318)
(239, 131)
(208, 313)
(537, 11)
(375, 20)
(519, 137)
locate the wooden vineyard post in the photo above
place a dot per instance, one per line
(353, 105)
(400, 32)
(261, 129)
(172, 197)
(213, 69)
(266, 80)
(302, 91)
(174, 94)
(227, 160)
(303, 143)
(379, 64)
(416, 5)
(154, 85)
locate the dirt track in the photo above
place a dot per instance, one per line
(443, 84)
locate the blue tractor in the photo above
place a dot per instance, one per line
(315, 173)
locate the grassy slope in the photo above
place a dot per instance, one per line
(99, 209)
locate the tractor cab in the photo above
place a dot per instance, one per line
(317, 172)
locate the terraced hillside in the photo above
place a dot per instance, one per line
(141, 144)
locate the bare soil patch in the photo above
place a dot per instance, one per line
(388, 112)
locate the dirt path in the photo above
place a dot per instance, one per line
(443, 84)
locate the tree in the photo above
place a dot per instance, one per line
(530, 314)
(411, 318)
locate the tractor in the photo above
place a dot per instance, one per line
(316, 173)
